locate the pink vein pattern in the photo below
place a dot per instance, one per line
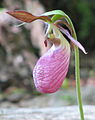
(51, 69)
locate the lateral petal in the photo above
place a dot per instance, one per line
(64, 31)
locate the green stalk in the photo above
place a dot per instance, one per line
(77, 67)
(78, 89)
(77, 74)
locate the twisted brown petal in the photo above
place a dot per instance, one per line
(26, 16)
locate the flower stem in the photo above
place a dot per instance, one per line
(77, 73)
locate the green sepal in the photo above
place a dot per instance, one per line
(57, 14)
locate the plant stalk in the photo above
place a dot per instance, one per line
(77, 73)
(78, 89)
(77, 70)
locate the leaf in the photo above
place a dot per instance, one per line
(26, 16)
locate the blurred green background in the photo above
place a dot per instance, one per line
(20, 48)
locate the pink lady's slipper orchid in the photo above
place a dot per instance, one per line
(51, 69)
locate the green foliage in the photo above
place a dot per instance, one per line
(1, 9)
(71, 99)
(1, 5)
(86, 18)
(65, 83)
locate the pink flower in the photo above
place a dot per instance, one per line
(51, 69)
